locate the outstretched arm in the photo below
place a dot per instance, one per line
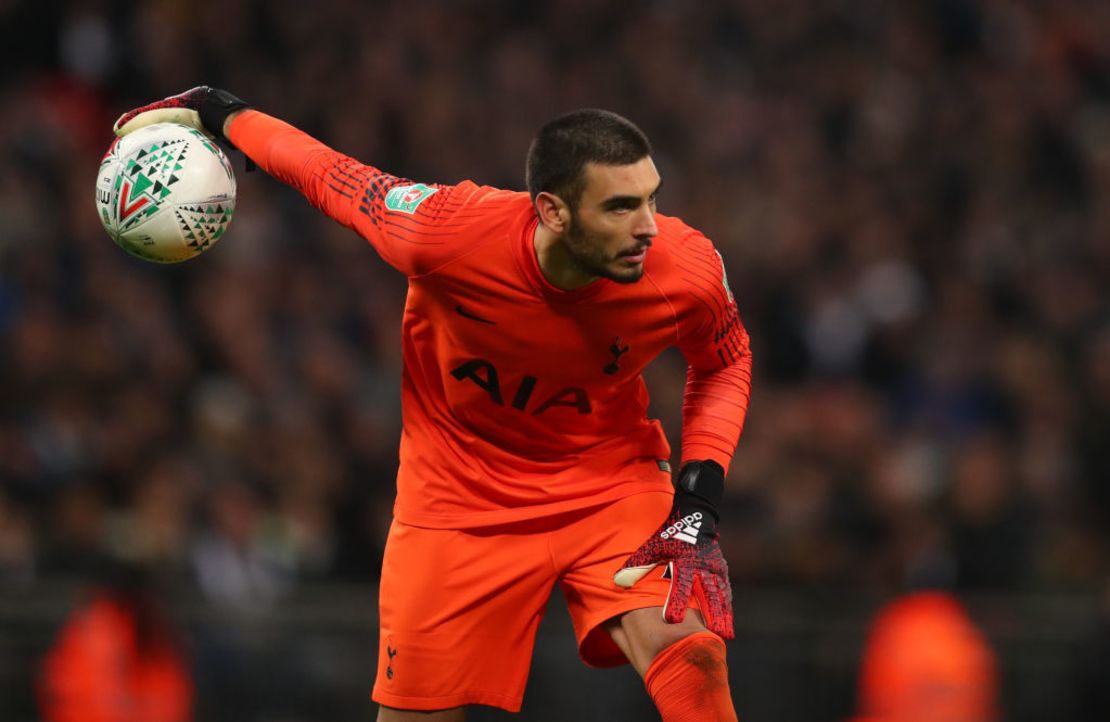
(394, 214)
(348, 191)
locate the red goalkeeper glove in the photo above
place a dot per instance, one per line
(202, 108)
(687, 543)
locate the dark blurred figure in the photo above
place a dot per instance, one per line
(117, 658)
(926, 661)
(1090, 696)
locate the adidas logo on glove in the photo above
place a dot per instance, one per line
(685, 529)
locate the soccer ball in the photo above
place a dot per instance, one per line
(165, 193)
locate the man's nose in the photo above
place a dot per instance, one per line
(645, 223)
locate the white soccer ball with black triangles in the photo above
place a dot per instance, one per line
(165, 193)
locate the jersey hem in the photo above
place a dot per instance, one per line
(495, 517)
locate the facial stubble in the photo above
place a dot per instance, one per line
(587, 255)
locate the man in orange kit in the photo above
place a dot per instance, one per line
(927, 661)
(116, 659)
(527, 458)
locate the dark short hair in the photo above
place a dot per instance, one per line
(560, 151)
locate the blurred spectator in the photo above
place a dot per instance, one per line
(117, 658)
(236, 562)
(991, 525)
(17, 543)
(1089, 695)
(926, 661)
(76, 538)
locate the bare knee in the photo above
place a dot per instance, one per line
(389, 714)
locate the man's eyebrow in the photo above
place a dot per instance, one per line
(630, 201)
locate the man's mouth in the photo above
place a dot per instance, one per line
(635, 255)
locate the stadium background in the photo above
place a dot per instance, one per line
(910, 201)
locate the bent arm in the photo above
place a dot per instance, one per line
(715, 406)
(717, 349)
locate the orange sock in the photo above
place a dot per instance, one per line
(688, 681)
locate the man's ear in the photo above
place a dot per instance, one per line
(553, 211)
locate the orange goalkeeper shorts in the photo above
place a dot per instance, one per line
(460, 607)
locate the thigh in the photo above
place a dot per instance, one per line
(459, 611)
(594, 549)
(641, 634)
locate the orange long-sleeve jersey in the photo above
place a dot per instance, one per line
(519, 399)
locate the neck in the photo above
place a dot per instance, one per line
(556, 262)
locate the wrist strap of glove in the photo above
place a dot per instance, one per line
(214, 109)
(700, 486)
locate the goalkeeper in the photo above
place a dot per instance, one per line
(527, 458)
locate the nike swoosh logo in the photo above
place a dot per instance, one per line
(467, 314)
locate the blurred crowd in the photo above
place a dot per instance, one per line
(908, 198)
